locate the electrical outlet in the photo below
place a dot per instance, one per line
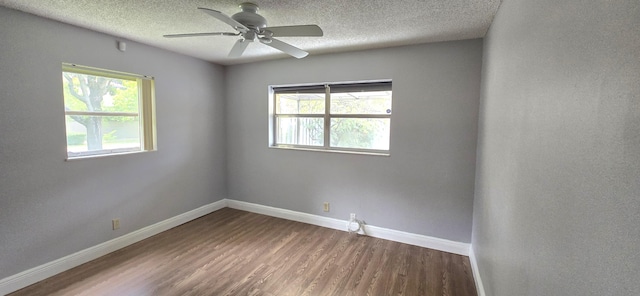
(326, 206)
(352, 217)
(115, 223)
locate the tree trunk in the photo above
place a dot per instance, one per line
(90, 90)
(94, 133)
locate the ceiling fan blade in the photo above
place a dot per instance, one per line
(287, 48)
(238, 48)
(296, 31)
(225, 18)
(200, 34)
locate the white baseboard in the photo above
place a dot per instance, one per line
(36, 274)
(419, 240)
(476, 273)
(374, 231)
(288, 214)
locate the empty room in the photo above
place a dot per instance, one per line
(278, 147)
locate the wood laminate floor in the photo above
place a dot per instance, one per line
(232, 252)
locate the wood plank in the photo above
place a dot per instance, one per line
(232, 252)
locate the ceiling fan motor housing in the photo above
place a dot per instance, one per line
(249, 17)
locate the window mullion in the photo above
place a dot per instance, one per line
(100, 113)
(360, 116)
(327, 118)
(300, 115)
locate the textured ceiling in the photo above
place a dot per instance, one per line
(347, 24)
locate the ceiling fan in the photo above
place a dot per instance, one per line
(251, 26)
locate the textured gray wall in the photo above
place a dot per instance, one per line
(557, 204)
(50, 208)
(424, 187)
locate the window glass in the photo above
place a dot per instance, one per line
(366, 102)
(121, 135)
(304, 103)
(301, 131)
(360, 133)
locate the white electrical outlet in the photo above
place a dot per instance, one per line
(115, 223)
(326, 206)
(352, 217)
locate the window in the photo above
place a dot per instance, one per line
(107, 112)
(349, 117)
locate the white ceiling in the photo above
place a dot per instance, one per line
(347, 24)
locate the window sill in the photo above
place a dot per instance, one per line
(90, 156)
(333, 150)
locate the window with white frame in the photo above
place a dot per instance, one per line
(107, 112)
(348, 117)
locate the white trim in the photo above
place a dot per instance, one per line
(288, 214)
(476, 272)
(418, 240)
(38, 273)
(69, 67)
(331, 150)
(374, 231)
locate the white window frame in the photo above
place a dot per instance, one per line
(327, 116)
(146, 111)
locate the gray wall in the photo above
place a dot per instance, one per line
(557, 203)
(49, 207)
(424, 187)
